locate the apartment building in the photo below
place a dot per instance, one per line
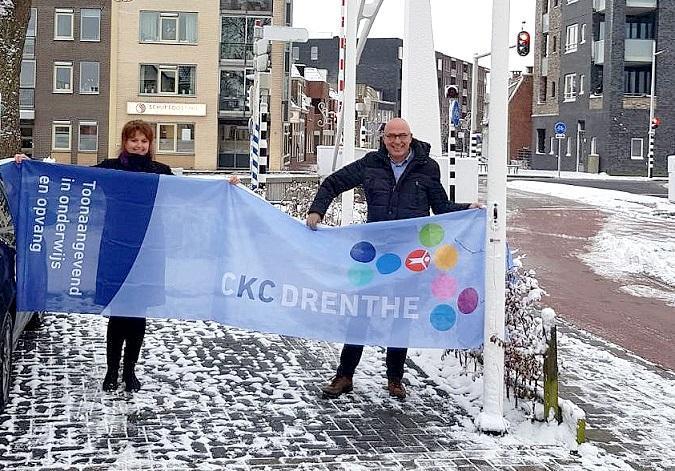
(593, 71)
(164, 63)
(64, 81)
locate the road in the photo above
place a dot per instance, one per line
(657, 187)
(553, 233)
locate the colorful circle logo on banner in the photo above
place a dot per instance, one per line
(431, 235)
(444, 287)
(445, 257)
(443, 317)
(360, 275)
(418, 260)
(363, 252)
(467, 302)
(388, 263)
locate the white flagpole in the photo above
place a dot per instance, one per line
(349, 103)
(491, 419)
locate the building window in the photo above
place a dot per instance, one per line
(314, 53)
(169, 27)
(61, 135)
(640, 27)
(176, 138)
(636, 148)
(296, 53)
(553, 86)
(168, 79)
(572, 38)
(594, 145)
(90, 24)
(555, 44)
(88, 136)
(236, 36)
(31, 31)
(89, 77)
(247, 5)
(582, 79)
(63, 77)
(570, 87)
(583, 34)
(439, 64)
(543, 92)
(27, 77)
(541, 141)
(234, 85)
(63, 24)
(637, 80)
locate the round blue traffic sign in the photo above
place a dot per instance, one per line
(456, 114)
(560, 127)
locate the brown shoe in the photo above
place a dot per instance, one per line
(396, 389)
(338, 385)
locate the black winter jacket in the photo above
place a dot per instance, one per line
(418, 189)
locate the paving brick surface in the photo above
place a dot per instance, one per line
(219, 398)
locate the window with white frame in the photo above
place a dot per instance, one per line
(88, 136)
(169, 27)
(63, 77)
(178, 138)
(572, 38)
(637, 148)
(314, 53)
(168, 79)
(63, 24)
(594, 145)
(61, 131)
(582, 39)
(90, 24)
(89, 77)
(570, 87)
(582, 79)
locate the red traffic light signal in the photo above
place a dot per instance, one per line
(523, 43)
(656, 122)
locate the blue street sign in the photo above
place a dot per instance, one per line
(456, 115)
(560, 127)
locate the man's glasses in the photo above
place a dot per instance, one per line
(393, 137)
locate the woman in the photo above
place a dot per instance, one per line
(136, 155)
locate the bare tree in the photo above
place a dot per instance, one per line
(14, 16)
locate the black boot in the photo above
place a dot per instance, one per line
(131, 383)
(110, 380)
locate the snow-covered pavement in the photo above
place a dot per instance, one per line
(219, 398)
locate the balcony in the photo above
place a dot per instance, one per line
(599, 5)
(638, 51)
(545, 23)
(638, 7)
(598, 52)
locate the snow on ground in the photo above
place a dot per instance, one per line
(581, 175)
(638, 232)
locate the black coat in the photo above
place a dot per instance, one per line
(136, 163)
(417, 191)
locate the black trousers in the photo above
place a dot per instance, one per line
(351, 355)
(124, 329)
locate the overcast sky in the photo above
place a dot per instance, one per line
(461, 27)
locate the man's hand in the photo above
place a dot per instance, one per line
(313, 219)
(476, 205)
(234, 180)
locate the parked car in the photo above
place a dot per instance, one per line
(12, 323)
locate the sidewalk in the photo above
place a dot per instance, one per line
(219, 398)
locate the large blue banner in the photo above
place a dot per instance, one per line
(132, 244)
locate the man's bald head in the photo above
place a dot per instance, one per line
(397, 139)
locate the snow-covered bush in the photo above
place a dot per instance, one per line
(527, 325)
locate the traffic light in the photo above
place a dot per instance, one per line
(656, 122)
(523, 43)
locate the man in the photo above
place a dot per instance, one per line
(400, 181)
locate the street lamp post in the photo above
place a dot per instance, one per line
(652, 130)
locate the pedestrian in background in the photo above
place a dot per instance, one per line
(400, 181)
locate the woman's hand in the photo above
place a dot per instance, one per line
(234, 180)
(18, 158)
